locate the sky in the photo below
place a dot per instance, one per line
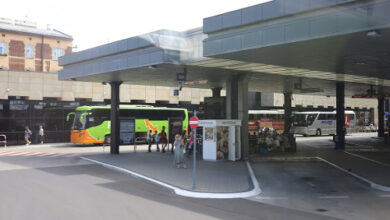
(92, 23)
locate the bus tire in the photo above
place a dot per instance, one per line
(318, 132)
(107, 140)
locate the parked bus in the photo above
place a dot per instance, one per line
(265, 119)
(320, 123)
(92, 125)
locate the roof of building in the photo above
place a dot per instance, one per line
(34, 31)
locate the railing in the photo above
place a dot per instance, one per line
(4, 141)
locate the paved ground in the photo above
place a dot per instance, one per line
(216, 177)
(40, 183)
(69, 188)
(318, 188)
(355, 159)
(376, 156)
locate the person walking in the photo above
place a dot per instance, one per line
(27, 135)
(179, 152)
(157, 140)
(41, 133)
(149, 140)
(163, 139)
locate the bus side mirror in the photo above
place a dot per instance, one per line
(68, 115)
(82, 117)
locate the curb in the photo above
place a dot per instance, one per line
(295, 159)
(187, 193)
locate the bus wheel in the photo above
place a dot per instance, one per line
(107, 140)
(318, 132)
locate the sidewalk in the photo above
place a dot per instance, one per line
(212, 177)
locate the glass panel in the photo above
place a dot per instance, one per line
(300, 120)
(311, 118)
(77, 124)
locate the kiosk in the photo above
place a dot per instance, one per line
(221, 139)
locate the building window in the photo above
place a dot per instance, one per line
(30, 51)
(3, 48)
(57, 52)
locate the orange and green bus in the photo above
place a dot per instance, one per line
(92, 125)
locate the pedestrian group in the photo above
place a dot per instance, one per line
(180, 145)
(28, 134)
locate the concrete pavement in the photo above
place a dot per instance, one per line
(367, 162)
(222, 179)
(316, 187)
(71, 188)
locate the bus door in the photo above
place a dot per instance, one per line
(175, 126)
(127, 130)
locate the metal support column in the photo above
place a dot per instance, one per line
(340, 116)
(381, 117)
(287, 112)
(115, 132)
(243, 115)
(232, 97)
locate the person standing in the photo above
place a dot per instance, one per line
(163, 139)
(27, 135)
(157, 140)
(149, 140)
(179, 152)
(41, 133)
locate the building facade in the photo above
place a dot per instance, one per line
(31, 94)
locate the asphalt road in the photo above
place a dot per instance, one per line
(69, 188)
(319, 188)
(50, 187)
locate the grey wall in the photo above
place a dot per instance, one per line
(348, 18)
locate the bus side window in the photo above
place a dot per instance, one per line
(322, 117)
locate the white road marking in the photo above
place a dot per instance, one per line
(37, 154)
(372, 184)
(33, 154)
(384, 196)
(19, 154)
(8, 153)
(333, 197)
(366, 158)
(270, 198)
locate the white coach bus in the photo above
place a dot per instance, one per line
(319, 123)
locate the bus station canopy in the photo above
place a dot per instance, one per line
(302, 46)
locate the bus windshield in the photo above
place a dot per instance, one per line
(304, 119)
(79, 123)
